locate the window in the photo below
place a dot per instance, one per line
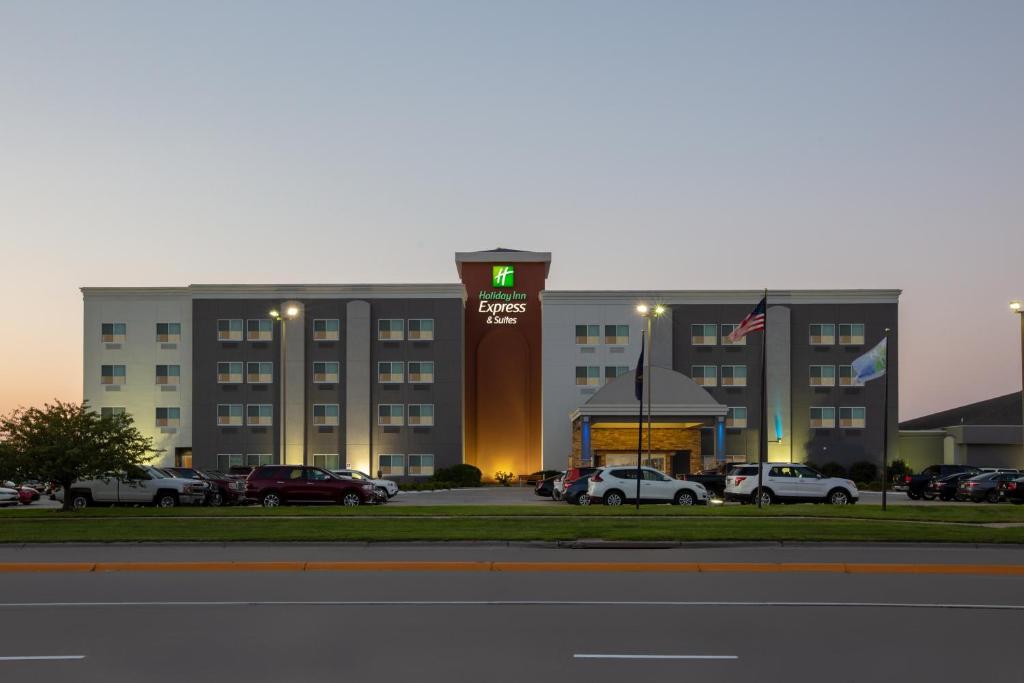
(390, 414)
(391, 372)
(168, 333)
(588, 375)
(325, 372)
(168, 374)
(617, 335)
(113, 333)
(851, 334)
(326, 414)
(229, 330)
(613, 371)
(823, 375)
(421, 371)
(168, 417)
(390, 329)
(823, 418)
(327, 461)
(259, 414)
(259, 329)
(229, 373)
(822, 334)
(326, 329)
(705, 375)
(847, 377)
(852, 418)
(260, 373)
(112, 374)
(734, 375)
(736, 418)
(421, 329)
(391, 465)
(587, 334)
(421, 414)
(703, 335)
(257, 459)
(229, 414)
(225, 461)
(726, 331)
(111, 412)
(421, 465)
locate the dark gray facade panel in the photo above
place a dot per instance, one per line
(325, 439)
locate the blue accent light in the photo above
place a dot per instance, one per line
(585, 455)
(720, 439)
(778, 427)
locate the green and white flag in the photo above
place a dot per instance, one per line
(872, 364)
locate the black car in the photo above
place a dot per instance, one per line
(546, 487)
(945, 488)
(576, 494)
(985, 486)
(224, 490)
(917, 484)
(1013, 490)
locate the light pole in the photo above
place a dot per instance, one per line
(649, 313)
(289, 314)
(1018, 308)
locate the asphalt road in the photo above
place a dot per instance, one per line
(537, 626)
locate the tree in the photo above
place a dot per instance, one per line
(66, 442)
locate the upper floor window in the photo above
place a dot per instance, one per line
(734, 375)
(852, 418)
(168, 417)
(390, 414)
(703, 334)
(168, 374)
(390, 329)
(617, 335)
(823, 375)
(851, 334)
(588, 375)
(168, 333)
(613, 371)
(113, 333)
(736, 418)
(421, 465)
(260, 373)
(587, 334)
(326, 372)
(421, 329)
(705, 375)
(823, 417)
(111, 411)
(259, 329)
(847, 377)
(421, 414)
(421, 371)
(326, 414)
(229, 329)
(229, 414)
(727, 329)
(391, 372)
(229, 372)
(326, 329)
(112, 374)
(822, 334)
(259, 414)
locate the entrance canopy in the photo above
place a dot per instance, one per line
(673, 394)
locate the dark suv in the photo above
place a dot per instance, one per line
(274, 485)
(917, 484)
(224, 490)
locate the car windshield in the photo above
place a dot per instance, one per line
(158, 473)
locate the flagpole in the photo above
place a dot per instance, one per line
(762, 446)
(885, 427)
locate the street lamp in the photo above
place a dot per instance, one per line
(1017, 307)
(648, 313)
(289, 314)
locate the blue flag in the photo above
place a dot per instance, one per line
(872, 364)
(638, 387)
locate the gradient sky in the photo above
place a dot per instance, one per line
(646, 144)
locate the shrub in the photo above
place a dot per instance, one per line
(831, 469)
(503, 478)
(898, 469)
(864, 472)
(458, 475)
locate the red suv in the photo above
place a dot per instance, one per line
(274, 485)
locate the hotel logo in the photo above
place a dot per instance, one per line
(503, 276)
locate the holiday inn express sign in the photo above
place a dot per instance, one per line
(501, 306)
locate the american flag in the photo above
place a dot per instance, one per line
(753, 322)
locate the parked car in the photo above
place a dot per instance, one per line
(575, 473)
(984, 486)
(545, 487)
(274, 485)
(786, 482)
(138, 486)
(714, 478)
(224, 490)
(1013, 490)
(577, 494)
(945, 488)
(240, 471)
(9, 496)
(617, 485)
(917, 484)
(386, 486)
(26, 494)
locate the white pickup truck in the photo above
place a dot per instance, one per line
(139, 486)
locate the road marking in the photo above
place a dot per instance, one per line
(41, 658)
(509, 603)
(655, 657)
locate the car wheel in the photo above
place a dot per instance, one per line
(614, 498)
(350, 499)
(913, 496)
(993, 496)
(80, 501)
(382, 493)
(928, 496)
(270, 500)
(684, 497)
(584, 499)
(166, 500)
(838, 497)
(217, 499)
(766, 498)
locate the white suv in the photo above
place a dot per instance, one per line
(616, 485)
(386, 485)
(787, 482)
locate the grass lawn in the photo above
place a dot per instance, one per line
(518, 523)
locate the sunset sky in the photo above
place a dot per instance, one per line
(672, 145)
